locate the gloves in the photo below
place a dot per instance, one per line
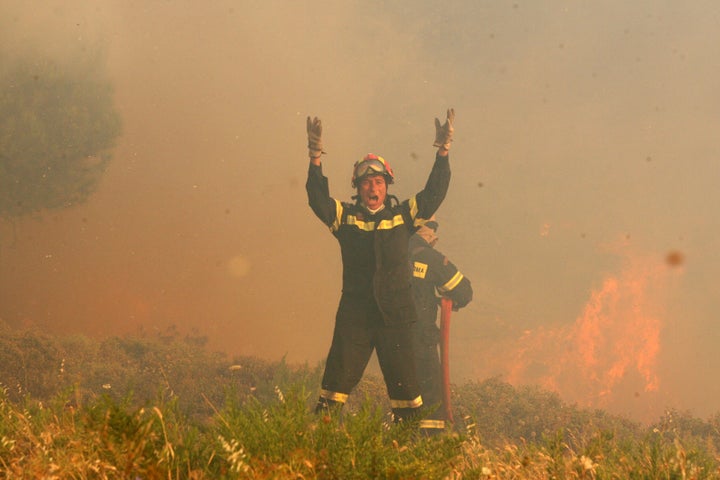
(444, 133)
(314, 131)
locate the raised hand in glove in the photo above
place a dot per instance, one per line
(314, 131)
(444, 133)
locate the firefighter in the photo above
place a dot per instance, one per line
(433, 276)
(376, 307)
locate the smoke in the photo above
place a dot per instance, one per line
(577, 124)
(609, 356)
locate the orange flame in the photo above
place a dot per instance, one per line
(610, 350)
(615, 334)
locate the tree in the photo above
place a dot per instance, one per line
(58, 125)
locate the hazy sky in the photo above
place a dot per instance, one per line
(587, 145)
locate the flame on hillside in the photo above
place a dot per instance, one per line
(609, 354)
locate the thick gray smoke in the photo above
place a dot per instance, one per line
(586, 152)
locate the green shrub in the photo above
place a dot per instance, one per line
(165, 407)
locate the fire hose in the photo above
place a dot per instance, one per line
(445, 311)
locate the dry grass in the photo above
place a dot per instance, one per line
(175, 411)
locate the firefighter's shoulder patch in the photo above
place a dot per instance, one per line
(419, 269)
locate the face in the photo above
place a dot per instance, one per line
(372, 190)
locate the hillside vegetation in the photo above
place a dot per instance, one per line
(166, 407)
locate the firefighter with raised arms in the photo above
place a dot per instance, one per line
(376, 309)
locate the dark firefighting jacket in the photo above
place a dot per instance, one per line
(433, 275)
(374, 247)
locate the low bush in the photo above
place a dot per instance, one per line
(166, 407)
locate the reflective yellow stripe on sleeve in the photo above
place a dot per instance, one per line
(414, 403)
(338, 216)
(413, 207)
(452, 283)
(334, 396)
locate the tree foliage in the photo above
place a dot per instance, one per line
(58, 124)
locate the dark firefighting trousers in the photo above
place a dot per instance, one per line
(427, 361)
(359, 328)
